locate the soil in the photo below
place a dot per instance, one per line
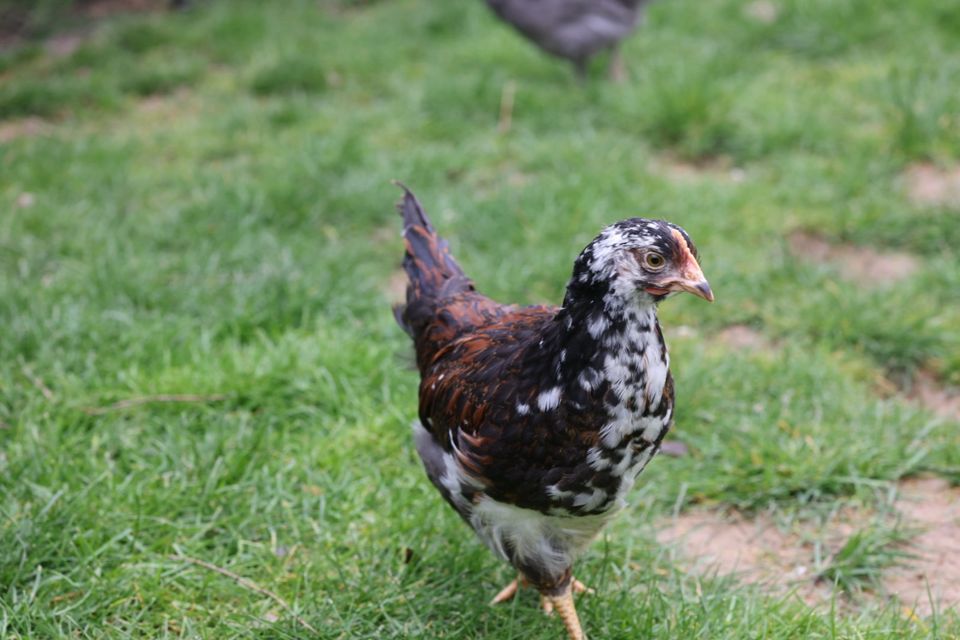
(761, 11)
(934, 506)
(389, 235)
(170, 105)
(741, 337)
(680, 170)
(938, 398)
(64, 44)
(930, 185)
(674, 449)
(753, 549)
(756, 551)
(866, 266)
(21, 128)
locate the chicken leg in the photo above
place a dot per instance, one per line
(618, 68)
(563, 605)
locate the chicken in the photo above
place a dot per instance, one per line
(535, 421)
(575, 30)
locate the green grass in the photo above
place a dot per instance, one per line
(289, 75)
(860, 562)
(232, 236)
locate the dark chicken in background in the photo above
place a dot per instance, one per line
(535, 421)
(575, 30)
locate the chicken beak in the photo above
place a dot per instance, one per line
(693, 281)
(700, 288)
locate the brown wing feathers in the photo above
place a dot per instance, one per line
(479, 361)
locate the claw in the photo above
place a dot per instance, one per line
(506, 594)
(547, 605)
(579, 587)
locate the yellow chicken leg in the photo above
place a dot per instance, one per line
(563, 605)
(578, 587)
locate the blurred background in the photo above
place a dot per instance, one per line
(198, 250)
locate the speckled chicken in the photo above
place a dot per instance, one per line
(575, 30)
(535, 421)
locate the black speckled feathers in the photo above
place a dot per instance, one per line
(539, 405)
(535, 421)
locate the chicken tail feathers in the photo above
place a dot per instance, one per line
(432, 270)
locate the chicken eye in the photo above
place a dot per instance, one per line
(654, 261)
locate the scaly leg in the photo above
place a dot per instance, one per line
(618, 68)
(563, 604)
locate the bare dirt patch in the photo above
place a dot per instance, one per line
(741, 337)
(865, 265)
(22, 128)
(757, 551)
(674, 449)
(930, 185)
(761, 11)
(753, 550)
(164, 105)
(64, 44)
(164, 110)
(942, 400)
(680, 170)
(388, 235)
(25, 200)
(934, 506)
(736, 337)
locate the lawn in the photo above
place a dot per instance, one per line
(199, 367)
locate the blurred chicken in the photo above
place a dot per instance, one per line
(575, 30)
